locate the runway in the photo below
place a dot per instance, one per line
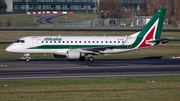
(65, 68)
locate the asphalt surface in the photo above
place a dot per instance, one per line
(65, 68)
(46, 19)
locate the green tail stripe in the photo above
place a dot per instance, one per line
(159, 14)
(160, 25)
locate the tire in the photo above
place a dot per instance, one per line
(90, 59)
(27, 59)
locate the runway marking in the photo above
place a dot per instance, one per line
(87, 66)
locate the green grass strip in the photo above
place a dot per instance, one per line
(92, 89)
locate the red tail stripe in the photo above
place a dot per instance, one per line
(148, 37)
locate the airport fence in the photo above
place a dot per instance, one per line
(91, 23)
(96, 23)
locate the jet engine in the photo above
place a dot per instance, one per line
(73, 54)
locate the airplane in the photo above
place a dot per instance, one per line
(78, 47)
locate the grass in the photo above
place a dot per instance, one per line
(77, 17)
(18, 20)
(27, 21)
(96, 89)
(166, 50)
(24, 20)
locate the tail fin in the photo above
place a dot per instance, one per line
(152, 31)
(154, 27)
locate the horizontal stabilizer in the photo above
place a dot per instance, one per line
(165, 40)
(159, 41)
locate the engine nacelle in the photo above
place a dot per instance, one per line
(73, 54)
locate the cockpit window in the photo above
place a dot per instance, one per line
(19, 41)
(22, 41)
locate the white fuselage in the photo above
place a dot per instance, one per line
(61, 44)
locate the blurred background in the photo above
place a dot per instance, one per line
(112, 14)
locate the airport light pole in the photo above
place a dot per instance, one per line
(26, 6)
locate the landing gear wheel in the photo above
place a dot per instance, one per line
(82, 58)
(27, 59)
(27, 56)
(90, 59)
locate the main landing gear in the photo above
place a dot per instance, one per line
(90, 58)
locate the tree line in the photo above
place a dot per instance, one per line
(113, 9)
(3, 6)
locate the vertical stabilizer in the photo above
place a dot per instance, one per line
(152, 31)
(153, 28)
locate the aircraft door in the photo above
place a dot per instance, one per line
(34, 41)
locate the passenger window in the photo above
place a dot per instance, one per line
(101, 41)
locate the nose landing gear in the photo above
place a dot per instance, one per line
(27, 56)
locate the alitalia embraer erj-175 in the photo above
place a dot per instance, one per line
(77, 47)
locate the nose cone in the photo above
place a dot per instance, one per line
(9, 49)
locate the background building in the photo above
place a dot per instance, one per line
(63, 5)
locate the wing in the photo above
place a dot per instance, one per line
(98, 50)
